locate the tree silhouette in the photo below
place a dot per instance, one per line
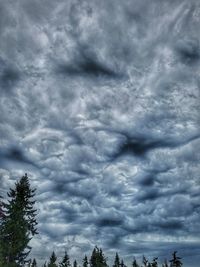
(165, 264)
(34, 263)
(97, 258)
(154, 262)
(175, 262)
(75, 264)
(85, 261)
(116, 261)
(18, 224)
(122, 264)
(52, 260)
(65, 261)
(145, 261)
(135, 264)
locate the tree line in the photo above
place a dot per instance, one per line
(18, 225)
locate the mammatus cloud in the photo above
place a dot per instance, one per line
(100, 106)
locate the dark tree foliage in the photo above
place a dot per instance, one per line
(176, 261)
(85, 261)
(52, 260)
(135, 264)
(145, 261)
(116, 261)
(65, 261)
(75, 264)
(122, 264)
(97, 258)
(34, 263)
(165, 264)
(154, 262)
(18, 224)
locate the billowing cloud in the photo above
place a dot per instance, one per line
(99, 104)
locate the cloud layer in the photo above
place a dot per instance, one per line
(100, 106)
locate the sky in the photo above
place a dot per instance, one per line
(99, 105)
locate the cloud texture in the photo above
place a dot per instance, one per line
(99, 104)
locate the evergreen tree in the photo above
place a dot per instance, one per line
(116, 261)
(165, 264)
(52, 260)
(75, 264)
(29, 263)
(85, 261)
(122, 264)
(93, 259)
(135, 264)
(65, 261)
(176, 261)
(34, 263)
(102, 258)
(97, 258)
(18, 224)
(154, 262)
(145, 261)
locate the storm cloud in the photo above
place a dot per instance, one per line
(99, 104)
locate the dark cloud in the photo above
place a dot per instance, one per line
(9, 75)
(100, 106)
(149, 194)
(74, 189)
(87, 66)
(147, 180)
(188, 50)
(139, 146)
(171, 225)
(14, 155)
(9, 78)
(109, 222)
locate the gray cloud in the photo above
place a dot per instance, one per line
(100, 106)
(86, 65)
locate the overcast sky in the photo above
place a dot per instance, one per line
(99, 104)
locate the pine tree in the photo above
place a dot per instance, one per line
(145, 261)
(102, 259)
(154, 262)
(135, 264)
(75, 264)
(34, 263)
(116, 261)
(85, 261)
(165, 264)
(65, 261)
(97, 258)
(176, 261)
(52, 260)
(122, 264)
(18, 224)
(93, 259)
